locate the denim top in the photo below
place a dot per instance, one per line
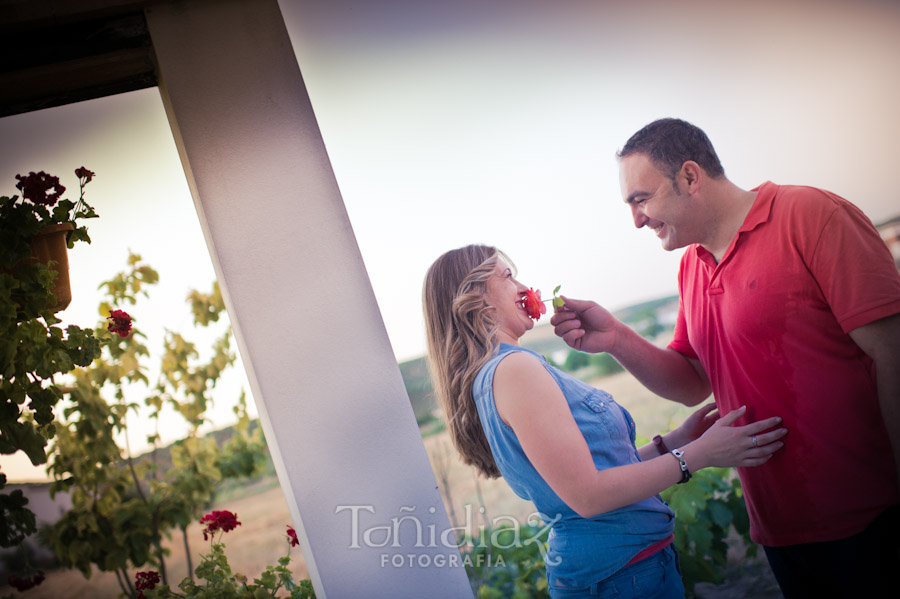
(581, 551)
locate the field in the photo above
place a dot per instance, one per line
(259, 541)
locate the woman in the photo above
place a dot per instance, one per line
(562, 444)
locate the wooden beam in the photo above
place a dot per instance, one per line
(46, 63)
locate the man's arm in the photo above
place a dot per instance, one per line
(587, 327)
(881, 342)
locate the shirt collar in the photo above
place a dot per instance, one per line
(761, 208)
(759, 213)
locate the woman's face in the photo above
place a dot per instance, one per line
(504, 295)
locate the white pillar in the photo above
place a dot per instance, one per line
(331, 399)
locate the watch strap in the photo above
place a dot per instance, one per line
(660, 445)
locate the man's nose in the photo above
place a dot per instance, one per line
(640, 219)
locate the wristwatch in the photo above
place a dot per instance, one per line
(685, 473)
(660, 445)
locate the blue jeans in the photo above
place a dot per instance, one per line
(656, 577)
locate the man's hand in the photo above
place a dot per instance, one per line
(585, 326)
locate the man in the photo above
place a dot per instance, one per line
(790, 305)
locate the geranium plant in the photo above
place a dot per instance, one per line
(42, 205)
(217, 579)
(34, 350)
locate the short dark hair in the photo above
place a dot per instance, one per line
(670, 143)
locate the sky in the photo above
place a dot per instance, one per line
(469, 121)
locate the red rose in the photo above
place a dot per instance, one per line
(292, 536)
(83, 173)
(218, 520)
(533, 305)
(40, 188)
(119, 323)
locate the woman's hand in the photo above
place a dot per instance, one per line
(693, 426)
(724, 445)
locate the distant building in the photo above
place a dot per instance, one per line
(890, 232)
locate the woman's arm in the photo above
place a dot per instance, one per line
(532, 404)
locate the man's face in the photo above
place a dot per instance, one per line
(656, 203)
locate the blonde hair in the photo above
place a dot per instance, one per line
(462, 336)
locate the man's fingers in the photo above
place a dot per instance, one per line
(566, 327)
(562, 316)
(573, 338)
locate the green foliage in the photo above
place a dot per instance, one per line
(605, 365)
(417, 381)
(602, 364)
(122, 509)
(507, 561)
(558, 302)
(34, 350)
(706, 509)
(16, 520)
(576, 360)
(218, 581)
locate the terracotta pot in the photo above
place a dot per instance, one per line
(50, 244)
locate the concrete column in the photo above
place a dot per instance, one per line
(331, 399)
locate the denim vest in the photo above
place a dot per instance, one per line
(582, 551)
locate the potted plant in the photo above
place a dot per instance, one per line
(33, 349)
(37, 228)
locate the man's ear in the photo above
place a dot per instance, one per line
(691, 175)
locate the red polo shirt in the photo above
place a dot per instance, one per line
(769, 323)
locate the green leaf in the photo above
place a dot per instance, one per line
(720, 513)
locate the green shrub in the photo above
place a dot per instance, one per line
(705, 510)
(507, 562)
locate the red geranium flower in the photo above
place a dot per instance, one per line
(119, 323)
(23, 584)
(533, 305)
(292, 536)
(218, 520)
(40, 188)
(83, 173)
(145, 581)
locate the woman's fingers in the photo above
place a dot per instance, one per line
(763, 448)
(732, 416)
(706, 410)
(760, 425)
(767, 438)
(756, 461)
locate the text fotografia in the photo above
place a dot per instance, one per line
(503, 532)
(440, 560)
